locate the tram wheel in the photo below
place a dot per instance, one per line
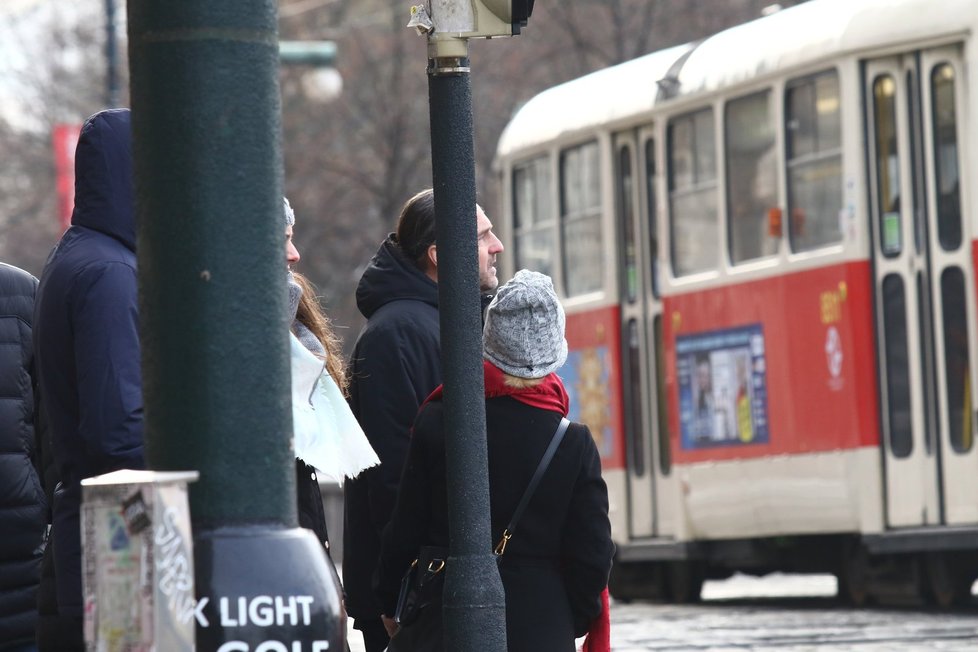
(854, 579)
(942, 586)
(636, 581)
(684, 581)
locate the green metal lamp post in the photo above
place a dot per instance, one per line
(206, 119)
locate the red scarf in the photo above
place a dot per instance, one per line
(599, 636)
(547, 395)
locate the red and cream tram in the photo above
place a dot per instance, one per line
(766, 246)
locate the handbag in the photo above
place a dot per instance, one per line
(423, 581)
(421, 585)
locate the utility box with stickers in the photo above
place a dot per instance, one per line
(138, 562)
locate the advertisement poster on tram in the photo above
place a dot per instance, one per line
(722, 387)
(585, 376)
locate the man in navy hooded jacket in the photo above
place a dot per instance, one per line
(87, 343)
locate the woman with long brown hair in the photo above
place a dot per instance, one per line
(328, 440)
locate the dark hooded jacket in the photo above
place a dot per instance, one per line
(86, 338)
(23, 508)
(395, 365)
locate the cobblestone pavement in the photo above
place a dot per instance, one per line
(787, 613)
(787, 625)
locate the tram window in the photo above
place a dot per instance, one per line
(814, 162)
(632, 366)
(665, 460)
(946, 157)
(916, 193)
(580, 192)
(751, 177)
(653, 216)
(533, 217)
(887, 165)
(956, 369)
(693, 192)
(897, 366)
(626, 218)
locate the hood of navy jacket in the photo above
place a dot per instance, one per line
(390, 276)
(103, 197)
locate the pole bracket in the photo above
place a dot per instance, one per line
(446, 66)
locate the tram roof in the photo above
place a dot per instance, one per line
(794, 37)
(597, 98)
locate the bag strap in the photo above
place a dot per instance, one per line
(558, 436)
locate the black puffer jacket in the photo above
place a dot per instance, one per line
(395, 365)
(23, 509)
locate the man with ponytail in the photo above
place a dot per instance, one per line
(396, 363)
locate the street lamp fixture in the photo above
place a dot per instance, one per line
(323, 83)
(307, 53)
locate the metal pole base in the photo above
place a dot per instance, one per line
(263, 589)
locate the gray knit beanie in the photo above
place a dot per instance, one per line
(289, 213)
(524, 331)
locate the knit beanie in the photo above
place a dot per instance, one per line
(306, 336)
(524, 331)
(295, 292)
(289, 213)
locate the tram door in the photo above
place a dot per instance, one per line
(924, 285)
(641, 331)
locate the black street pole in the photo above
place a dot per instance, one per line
(111, 57)
(474, 601)
(206, 120)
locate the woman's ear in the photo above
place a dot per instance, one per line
(433, 256)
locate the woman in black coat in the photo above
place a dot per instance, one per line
(556, 565)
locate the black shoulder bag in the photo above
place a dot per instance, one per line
(423, 581)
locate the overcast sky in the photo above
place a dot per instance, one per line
(21, 23)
